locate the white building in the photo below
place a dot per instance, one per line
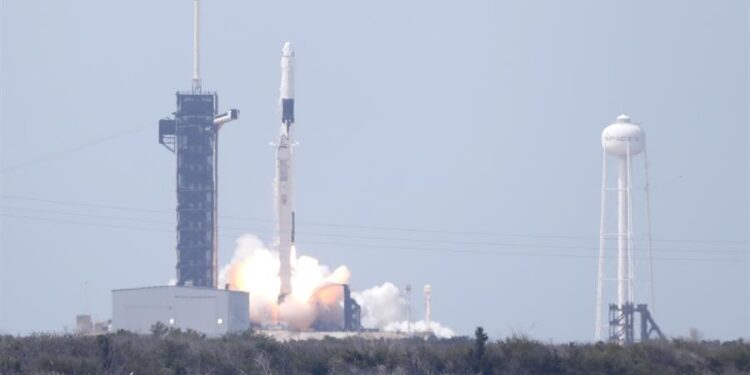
(213, 312)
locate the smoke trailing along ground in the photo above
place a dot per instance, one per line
(381, 305)
(255, 269)
(384, 308)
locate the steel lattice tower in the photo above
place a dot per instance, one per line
(193, 136)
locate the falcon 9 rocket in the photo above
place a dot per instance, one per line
(284, 177)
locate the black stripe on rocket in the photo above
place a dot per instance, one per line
(287, 111)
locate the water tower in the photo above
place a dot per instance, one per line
(623, 141)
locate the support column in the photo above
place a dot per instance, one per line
(623, 231)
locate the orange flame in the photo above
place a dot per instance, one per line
(255, 269)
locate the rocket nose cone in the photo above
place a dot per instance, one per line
(287, 50)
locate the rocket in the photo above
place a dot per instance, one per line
(284, 177)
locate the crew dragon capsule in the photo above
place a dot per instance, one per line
(284, 177)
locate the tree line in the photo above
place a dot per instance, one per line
(171, 351)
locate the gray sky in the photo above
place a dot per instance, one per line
(479, 116)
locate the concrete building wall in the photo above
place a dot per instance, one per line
(206, 310)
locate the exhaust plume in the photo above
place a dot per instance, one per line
(255, 269)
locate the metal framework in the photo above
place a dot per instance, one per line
(622, 323)
(352, 312)
(193, 136)
(336, 317)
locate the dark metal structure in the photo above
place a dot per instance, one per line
(622, 323)
(352, 312)
(339, 316)
(193, 136)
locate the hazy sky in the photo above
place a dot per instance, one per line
(453, 118)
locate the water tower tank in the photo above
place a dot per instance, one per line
(621, 135)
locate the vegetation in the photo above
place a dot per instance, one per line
(168, 351)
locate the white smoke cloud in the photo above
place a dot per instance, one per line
(420, 326)
(381, 305)
(255, 269)
(385, 308)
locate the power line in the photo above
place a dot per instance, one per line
(353, 226)
(460, 251)
(384, 247)
(375, 238)
(56, 212)
(85, 223)
(71, 150)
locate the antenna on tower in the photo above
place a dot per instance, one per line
(196, 46)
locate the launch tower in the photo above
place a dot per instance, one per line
(192, 134)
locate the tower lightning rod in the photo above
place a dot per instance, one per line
(196, 46)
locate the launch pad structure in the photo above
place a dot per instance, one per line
(194, 302)
(213, 312)
(193, 136)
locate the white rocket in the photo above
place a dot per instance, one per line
(284, 177)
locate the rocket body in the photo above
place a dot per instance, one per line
(287, 84)
(284, 175)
